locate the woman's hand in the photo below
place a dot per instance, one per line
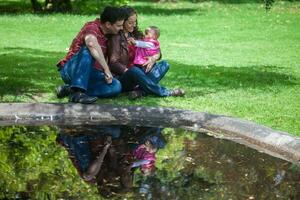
(149, 64)
(108, 77)
(131, 41)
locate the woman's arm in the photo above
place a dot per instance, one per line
(114, 55)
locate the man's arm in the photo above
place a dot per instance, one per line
(96, 51)
(95, 167)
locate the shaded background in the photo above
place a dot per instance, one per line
(93, 6)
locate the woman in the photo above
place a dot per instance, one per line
(140, 81)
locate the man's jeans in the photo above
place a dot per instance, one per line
(79, 146)
(147, 82)
(79, 72)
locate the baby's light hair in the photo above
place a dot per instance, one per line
(153, 28)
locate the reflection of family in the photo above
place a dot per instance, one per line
(109, 155)
(109, 56)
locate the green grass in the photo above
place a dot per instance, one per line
(232, 59)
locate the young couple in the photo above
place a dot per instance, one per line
(109, 56)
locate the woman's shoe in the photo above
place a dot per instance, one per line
(177, 93)
(135, 94)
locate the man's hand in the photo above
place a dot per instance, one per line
(131, 41)
(108, 77)
(149, 64)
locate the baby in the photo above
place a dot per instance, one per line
(145, 158)
(144, 154)
(147, 47)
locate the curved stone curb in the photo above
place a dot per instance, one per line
(259, 137)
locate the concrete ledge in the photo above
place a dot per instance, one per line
(275, 143)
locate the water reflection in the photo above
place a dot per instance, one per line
(109, 155)
(121, 162)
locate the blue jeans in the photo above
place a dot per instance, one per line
(79, 146)
(147, 82)
(79, 72)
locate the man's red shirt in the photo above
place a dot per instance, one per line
(93, 28)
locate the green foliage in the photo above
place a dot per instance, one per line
(73, 6)
(268, 4)
(173, 158)
(94, 6)
(32, 163)
(15, 6)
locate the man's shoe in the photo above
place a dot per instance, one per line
(80, 97)
(177, 93)
(63, 91)
(135, 94)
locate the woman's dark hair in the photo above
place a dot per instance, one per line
(128, 12)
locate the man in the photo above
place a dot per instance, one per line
(84, 69)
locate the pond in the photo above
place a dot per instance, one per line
(123, 162)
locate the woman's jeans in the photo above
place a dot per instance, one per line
(79, 72)
(147, 82)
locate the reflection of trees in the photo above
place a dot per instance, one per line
(238, 171)
(32, 165)
(208, 168)
(173, 180)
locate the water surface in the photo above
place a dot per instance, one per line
(49, 162)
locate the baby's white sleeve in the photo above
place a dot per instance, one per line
(143, 44)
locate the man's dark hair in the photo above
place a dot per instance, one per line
(112, 14)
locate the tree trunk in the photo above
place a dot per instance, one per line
(36, 6)
(58, 5)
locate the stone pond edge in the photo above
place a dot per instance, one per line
(276, 143)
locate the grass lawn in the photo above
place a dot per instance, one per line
(232, 59)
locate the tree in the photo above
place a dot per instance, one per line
(66, 5)
(268, 4)
(52, 6)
